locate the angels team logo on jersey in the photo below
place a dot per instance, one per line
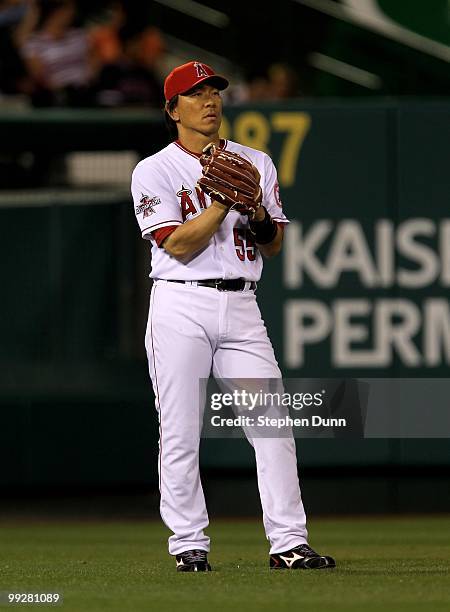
(186, 204)
(146, 205)
(200, 69)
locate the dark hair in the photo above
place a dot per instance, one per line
(49, 7)
(170, 123)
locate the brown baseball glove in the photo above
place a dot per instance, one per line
(231, 180)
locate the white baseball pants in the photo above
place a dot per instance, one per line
(191, 332)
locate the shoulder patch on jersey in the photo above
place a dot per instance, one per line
(146, 205)
(276, 193)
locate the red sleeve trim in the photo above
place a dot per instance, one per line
(281, 225)
(152, 228)
(161, 234)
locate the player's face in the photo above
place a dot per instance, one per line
(200, 110)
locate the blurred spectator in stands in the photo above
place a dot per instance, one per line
(17, 19)
(283, 82)
(59, 57)
(253, 88)
(105, 37)
(258, 88)
(129, 55)
(279, 81)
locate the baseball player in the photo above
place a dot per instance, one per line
(211, 209)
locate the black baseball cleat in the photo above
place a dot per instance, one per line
(301, 557)
(193, 561)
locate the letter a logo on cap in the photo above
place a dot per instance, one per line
(201, 71)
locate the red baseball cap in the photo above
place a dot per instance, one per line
(185, 77)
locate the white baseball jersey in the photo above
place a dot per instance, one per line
(165, 194)
(194, 331)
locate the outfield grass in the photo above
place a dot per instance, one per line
(388, 564)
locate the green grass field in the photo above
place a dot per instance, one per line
(383, 564)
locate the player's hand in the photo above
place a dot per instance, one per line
(259, 214)
(219, 206)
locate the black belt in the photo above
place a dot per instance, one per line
(234, 284)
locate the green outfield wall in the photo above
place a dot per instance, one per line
(361, 289)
